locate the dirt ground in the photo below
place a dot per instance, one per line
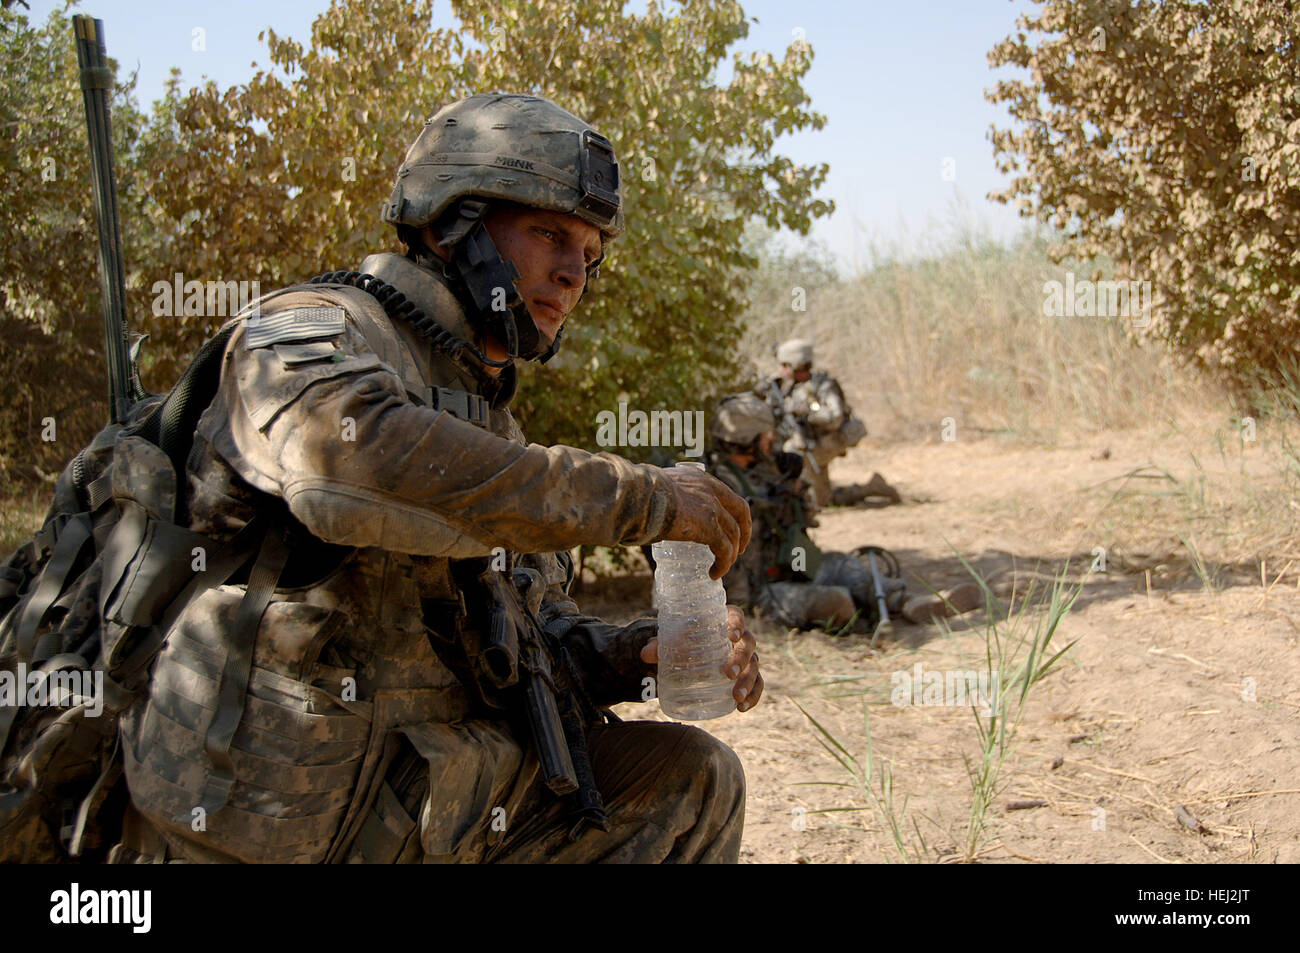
(1168, 733)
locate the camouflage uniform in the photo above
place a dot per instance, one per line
(765, 576)
(357, 741)
(811, 418)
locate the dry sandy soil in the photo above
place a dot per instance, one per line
(1179, 698)
(1168, 733)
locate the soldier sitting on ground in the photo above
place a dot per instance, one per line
(815, 421)
(783, 575)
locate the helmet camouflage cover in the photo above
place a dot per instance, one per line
(796, 352)
(518, 148)
(741, 419)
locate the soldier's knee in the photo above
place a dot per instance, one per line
(828, 605)
(714, 762)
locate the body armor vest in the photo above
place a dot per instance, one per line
(342, 660)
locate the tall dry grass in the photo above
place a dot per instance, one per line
(959, 331)
(956, 330)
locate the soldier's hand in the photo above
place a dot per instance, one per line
(709, 513)
(743, 662)
(742, 666)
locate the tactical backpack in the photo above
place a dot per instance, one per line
(848, 434)
(781, 512)
(84, 608)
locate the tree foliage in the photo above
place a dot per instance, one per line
(51, 332)
(663, 327)
(282, 178)
(1166, 134)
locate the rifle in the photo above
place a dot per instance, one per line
(886, 582)
(883, 625)
(490, 636)
(96, 86)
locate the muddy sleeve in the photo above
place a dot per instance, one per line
(330, 429)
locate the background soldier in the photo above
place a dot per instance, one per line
(783, 575)
(815, 421)
(775, 575)
(400, 674)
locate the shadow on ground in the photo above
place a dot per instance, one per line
(1012, 577)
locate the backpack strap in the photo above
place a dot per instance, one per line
(129, 665)
(100, 491)
(180, 412)
(10, 580)
(7, 715)
(233, 690)
(72, 538)
(75, 839)
(43, 671)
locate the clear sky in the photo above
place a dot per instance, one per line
(900, 82)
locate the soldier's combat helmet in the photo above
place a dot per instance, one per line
(796, 352)
(516, 148)
(740, 420)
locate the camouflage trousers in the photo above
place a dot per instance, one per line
(816, 468)
(672, 793)
(841, 587)
(806, 605)
(817, 473)
(824, 495)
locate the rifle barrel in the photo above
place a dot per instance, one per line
(96, 87)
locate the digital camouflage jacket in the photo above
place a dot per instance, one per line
(326, 417)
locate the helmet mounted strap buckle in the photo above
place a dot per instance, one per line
(597, 180)
(467, 213)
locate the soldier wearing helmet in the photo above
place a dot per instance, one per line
(743, 425)
(399, 674)
(779, 574)
(816, 422)
(783, 575)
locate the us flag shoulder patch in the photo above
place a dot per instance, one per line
(294, 324)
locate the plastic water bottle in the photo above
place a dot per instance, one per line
(693, 644)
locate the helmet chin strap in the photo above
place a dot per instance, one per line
(489, 284)
(555, 346)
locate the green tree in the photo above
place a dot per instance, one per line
(51, 331)
(283, 177)
(1167, 136)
